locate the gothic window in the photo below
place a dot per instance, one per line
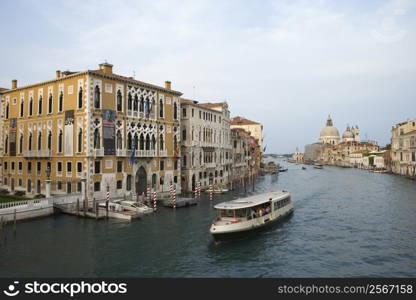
(119, 141)
(141, 104)
(161, 142)
(97, 96)
(146, 107)
(175, 111)
(40, 105)
(60, 141)
(129, 102)
(147, 142)
(40, 141)
(80, 98)
(50, 104)
(97, 139)
(22, 105)
(50, 140)
(184, 135)
(129, 142)
(29, 144)
(136, 142)
(153, 143)
(80, 141)
(141, 142)
(61, 102)
(161, 114)
(21, 143)
(136, 103)
(119, 101)
(31, 107)
(6, 145)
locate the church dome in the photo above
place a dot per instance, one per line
(348, 134)
(329, 130)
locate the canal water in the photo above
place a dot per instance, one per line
(346, 223)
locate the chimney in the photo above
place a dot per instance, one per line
(14, 84)
(58, 74)
(106, 68)
(167, 85)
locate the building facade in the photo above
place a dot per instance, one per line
(242, 162)
(110, 131)
(205, 144)
(403, 148)
(255, 129)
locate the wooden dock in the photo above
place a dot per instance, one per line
(180, 202)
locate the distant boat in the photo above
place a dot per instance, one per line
(303, 168)
(283, 170)
(318, 166)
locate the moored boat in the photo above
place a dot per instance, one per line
(239, 217)
(318, 166)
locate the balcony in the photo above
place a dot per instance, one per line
(163, 153)
(99, 152)
(145, 153)
(210, 165)
(121, 152)
(37, 153)
(135, 114)
(129, 113)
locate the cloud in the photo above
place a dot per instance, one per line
(287, 64)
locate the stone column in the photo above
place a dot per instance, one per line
(48, 188)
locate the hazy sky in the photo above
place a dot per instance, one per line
(286, 64)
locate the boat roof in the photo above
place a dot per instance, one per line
(252, 200)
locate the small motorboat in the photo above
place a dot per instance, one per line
(303, 168)
(283, 170)
(136, 206)
(318, 166)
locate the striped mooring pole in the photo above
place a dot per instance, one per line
(149, 195)
(174, 197)
(154, 201)
(210, 192)
(199, 190)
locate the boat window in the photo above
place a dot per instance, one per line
(241, 213)
(227, 213)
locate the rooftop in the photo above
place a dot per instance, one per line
(252, 200)
(242, 121)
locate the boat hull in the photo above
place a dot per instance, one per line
(248, 231)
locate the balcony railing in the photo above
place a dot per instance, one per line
(163, 153)
(99, 152)
(210, 165)
(121, 152)
(145, 153)
(37, 153)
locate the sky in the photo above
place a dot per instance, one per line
(285, 64)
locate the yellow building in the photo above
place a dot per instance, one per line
(403, 148)
(115, 132)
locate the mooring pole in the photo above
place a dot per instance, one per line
(14, 221)
(77, 206)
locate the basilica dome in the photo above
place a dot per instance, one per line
(329, 134)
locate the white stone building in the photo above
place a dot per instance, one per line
(205, 144)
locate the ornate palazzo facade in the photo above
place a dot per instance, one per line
(115, 132)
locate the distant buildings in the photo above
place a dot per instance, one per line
(255, 129)
(297, 157)
(403, 148)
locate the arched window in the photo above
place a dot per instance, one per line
(147, 107)
(7, 110)
(136, 142)
(50, 140)
(31, 106)
(119, 101)
(50, 101)
(161, 142)
(40, 141)
(175, 111)
(29, 144)
(142, 142)
(80, 98)
(153, 143)
(97, 139)
(40, 105)
(136, 103)
(119, 141)
(129, 142)
(60, 141)
(141, 104)
(22, 106)
(147, 142)
(6, 144)
(21, 143)
(80, 140)
(129, 102)
(175, 144)
(97, 96)
(161, 114)
(61, 101)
